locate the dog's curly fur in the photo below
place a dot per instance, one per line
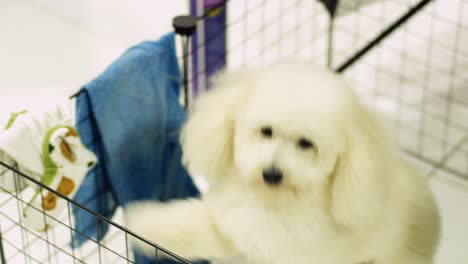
(343, 195)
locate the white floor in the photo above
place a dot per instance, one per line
(49, 48)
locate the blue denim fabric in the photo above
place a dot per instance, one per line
(130, 118)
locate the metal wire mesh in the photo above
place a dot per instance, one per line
(23, 244)
(417, 76)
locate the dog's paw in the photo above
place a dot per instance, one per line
(140, 220)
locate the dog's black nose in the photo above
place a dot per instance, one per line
(272, 176)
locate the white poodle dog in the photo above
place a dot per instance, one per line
(299, 172)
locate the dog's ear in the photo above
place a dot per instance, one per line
(208, 135)
(360, 185)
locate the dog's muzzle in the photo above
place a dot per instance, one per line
(272, 176)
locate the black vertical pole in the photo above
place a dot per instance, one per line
(185, 43)
(2, 252)
(185, 26)
(331, 24)
(331, 6)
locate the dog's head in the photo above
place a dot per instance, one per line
(289, 126)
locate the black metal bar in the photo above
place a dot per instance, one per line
(185, 44)
(127, 255)
(75, 94)
(71, 231)
(382, 35)
(46, 226)
(98, 234)
(331, 26)
(2, 252)
(331, 6)
(19, 206)
(185, 26)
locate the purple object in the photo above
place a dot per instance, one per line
(208, 43)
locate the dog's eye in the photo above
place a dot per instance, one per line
(305, 143)
(267, 132)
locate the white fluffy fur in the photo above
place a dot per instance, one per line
(349, 199)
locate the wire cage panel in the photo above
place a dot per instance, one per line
(261, 32)
(417, 76)
(22, 244)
